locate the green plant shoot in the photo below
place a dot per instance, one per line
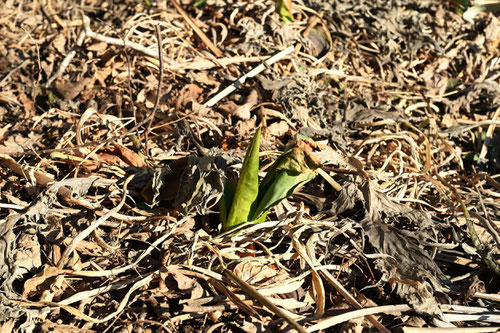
(292, 169)
(284, 12)
(249, 202)
(247, 188)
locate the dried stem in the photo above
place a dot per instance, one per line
(158, 91)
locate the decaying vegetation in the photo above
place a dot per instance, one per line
(124, 184)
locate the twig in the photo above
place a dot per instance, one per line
(11, 206)
(327, 323)
(491, 297)
(487, 317)
(251, 291)
(84, 234)
(250, 74)
(158, 91)
(196, 29)
(129, 86)
(483, 252)
(336, 186)
(117, 41)
(67, 59)
(489, 134)
(77, 313)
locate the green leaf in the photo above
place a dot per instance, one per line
(291, 170)
(282, 187)
(284, 12)
(247, 188)
(227, 200)
(199, 3)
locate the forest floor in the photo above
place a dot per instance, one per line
(113, 172)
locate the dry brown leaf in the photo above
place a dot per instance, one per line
(48, 326)
(31, 286)
(110, 159)
(98, 47)
(56, 288)
(241, 111)
(413, 271)
(59, 42)
(129, 156)
(186, 284)
(17, 143)
(254, 272)
(245, 127)
(278, 129)
(85, 247)
(69, 90)
(215, 315)
(397, 73)
(189, 93)
(204, 77)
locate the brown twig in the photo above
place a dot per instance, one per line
(196, 29)
(84, 234)
(44, 180)
(93, 143)
(251, 291)
(481, 249)
(67, 59)
(158, 91)
(117, 41)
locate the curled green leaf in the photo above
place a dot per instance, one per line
(247, 188)
(291, 170)
(284, 12)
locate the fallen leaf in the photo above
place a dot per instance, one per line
(278, 129)
(59, 42)
(18, 144)
(241, 111)
(31, 286)
(204, 77)
(98, 47)
(129, 156)
(69, 90)
(190, 93)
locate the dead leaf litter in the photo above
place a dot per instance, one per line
(112, 175)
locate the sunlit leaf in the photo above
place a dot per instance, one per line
(284, 11)
(199, 3)
(291, 170)
(473, 11)
(227, 200)
(247, 188)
